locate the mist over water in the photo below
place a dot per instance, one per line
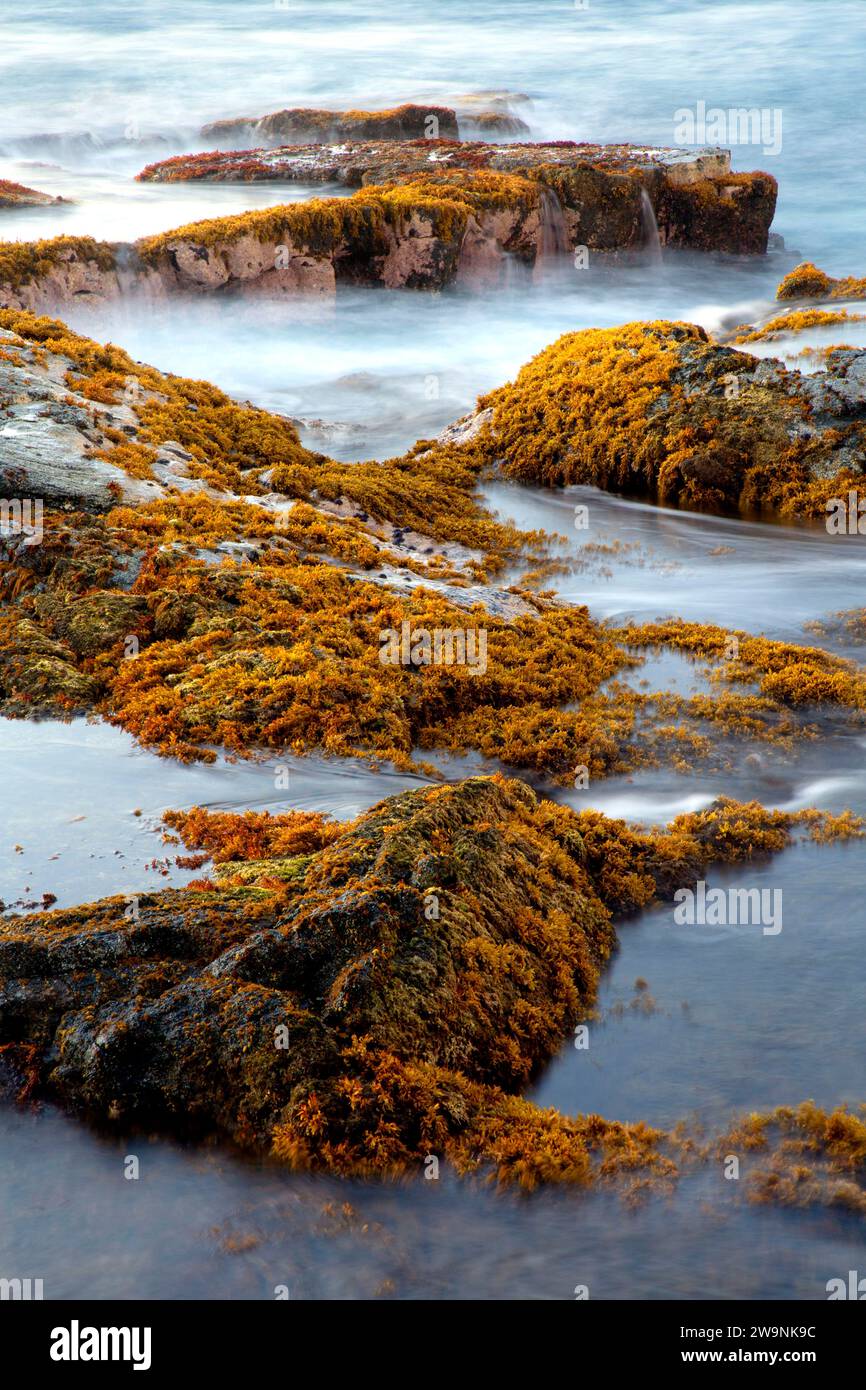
(369, 374)
(620, 70)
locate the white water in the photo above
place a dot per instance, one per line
(649, 227)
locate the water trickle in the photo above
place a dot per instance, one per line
(552, 229)
(650, 229)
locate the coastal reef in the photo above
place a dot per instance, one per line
(202, 578)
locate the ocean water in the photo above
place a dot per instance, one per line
(729, 1020)
(618, 70)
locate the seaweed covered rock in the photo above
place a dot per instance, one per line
(455, 926)
(806, 281)
(413, 234)
(307, 126)
(65, 269)
(395, 994)
(658, 410)
(425, 214)
(601, 191)
(202, 578)
(410, 121)
(16, 195)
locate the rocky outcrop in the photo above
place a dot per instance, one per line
(306, 126)
(426, 222)
(807, 282)
(16, 195)
(359, 162)
(55, 443)
(363, 1006)
(41, 275)
(285, 600)
(657, 410)
(411, 121)
(601, 190)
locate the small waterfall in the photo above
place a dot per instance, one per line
(650, 229)
(515, 272)
(552, 230)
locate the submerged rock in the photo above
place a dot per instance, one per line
(411, 121)
(306, 126)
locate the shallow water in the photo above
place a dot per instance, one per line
(731, 1018)
(199, 1224)
(84, 804)
(108, 204)
(635, 560)
(373, 372)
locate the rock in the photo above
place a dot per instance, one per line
(42, 275)
(16, 195)
(255, 601)
(491, 125)
(50, 435)
(657, 410)
(222, 1009)
(807, 282)
(410, 121)
(426, 214)
(466, 430)
(303, 126)
(356, 162)
(361, 1006)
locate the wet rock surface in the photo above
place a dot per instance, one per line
(659, 410)
(426, 214)
(51, 436)
(357, 1006)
